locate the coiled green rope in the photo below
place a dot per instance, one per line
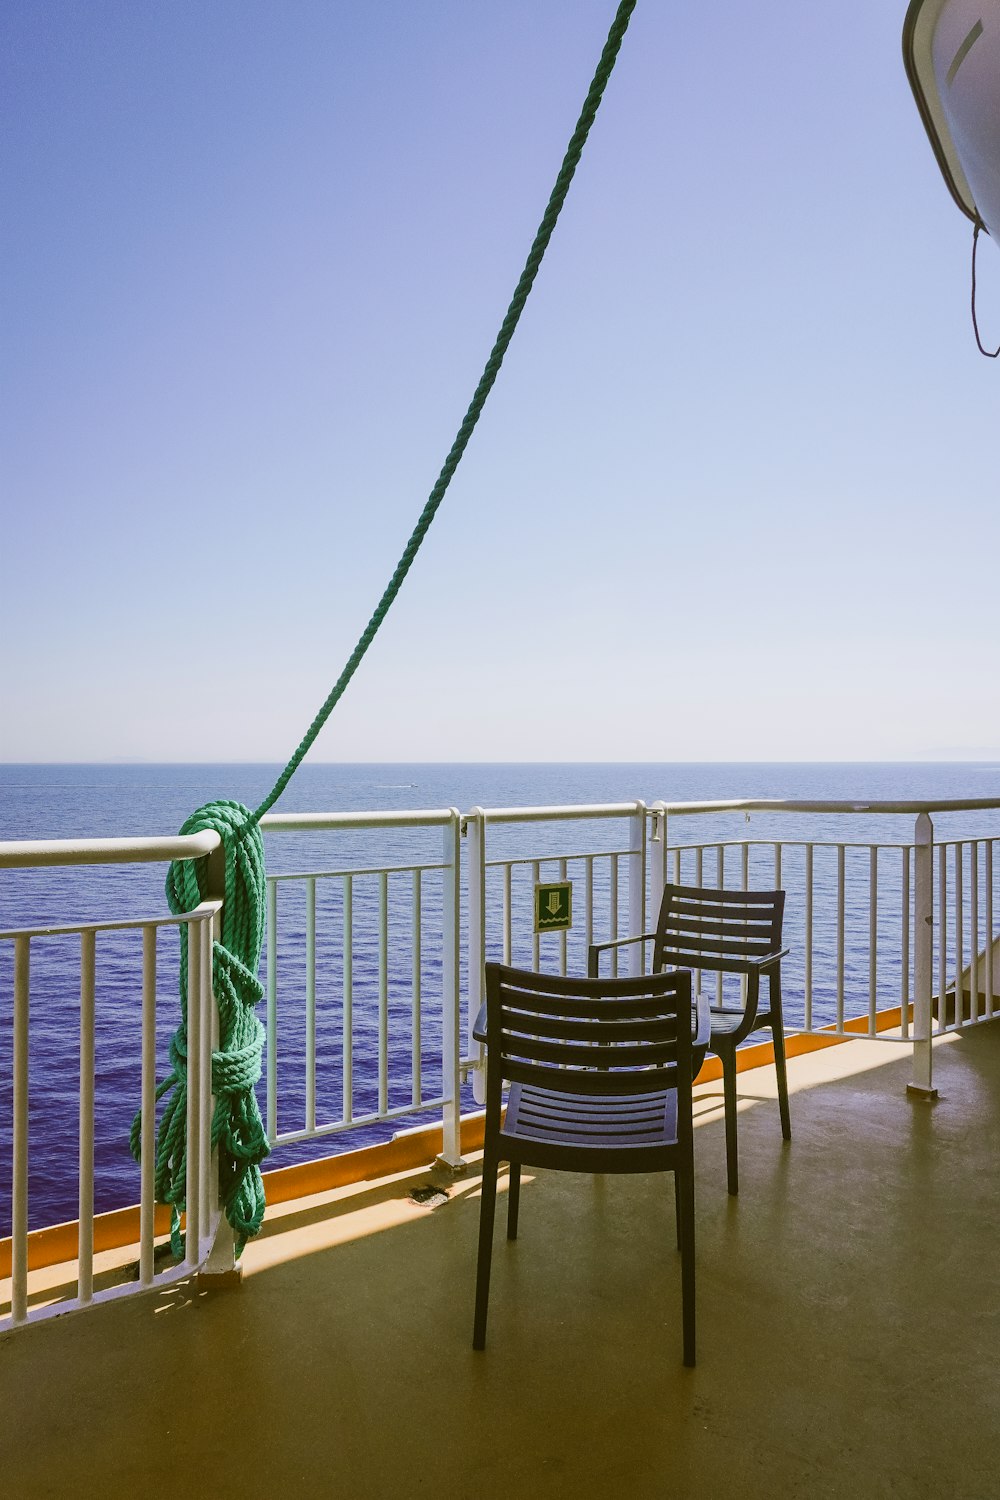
(237, 1128)
(236, 1066)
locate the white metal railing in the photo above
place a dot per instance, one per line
(936, 948)
(203, 1217)
(368, 894)
(479, 825)
(366, 953)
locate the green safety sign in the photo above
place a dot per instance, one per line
(554, 907)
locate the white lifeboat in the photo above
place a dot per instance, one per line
(951, 49)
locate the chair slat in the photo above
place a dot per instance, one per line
(587, 1055)
(589, 1009)
(571, 1081)
(651, 1029)
(719, 896)
(682, 942)
(682, 921)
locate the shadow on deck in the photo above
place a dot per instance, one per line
(848, 1318)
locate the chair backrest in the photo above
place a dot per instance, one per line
(588, 1036)
(702, 928)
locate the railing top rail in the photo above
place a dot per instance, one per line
(557, 814)
(39, 853)
(438, 817)
(182, 919)
(568, 855)
(764, 804)
(352, 870)
(24, 854)
(709, 844)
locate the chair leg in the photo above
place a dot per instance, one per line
(778, 1033)
(678, 1206)
(513, 1199)
(728, 1060)
(684, 1177)
(487, 1214)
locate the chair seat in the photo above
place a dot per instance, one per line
(726, 1022)
(601, 1121)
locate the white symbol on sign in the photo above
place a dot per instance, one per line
(555, 901)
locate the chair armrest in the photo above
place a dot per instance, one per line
(769, 959)
(703, 1021)
(596, 949)
(479, 1027)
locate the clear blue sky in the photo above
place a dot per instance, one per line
(734, 495)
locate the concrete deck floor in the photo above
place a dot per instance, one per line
(848, 1319)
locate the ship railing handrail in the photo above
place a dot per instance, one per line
(778, 804)
(433, 817)
(131, 924)
(38, 853)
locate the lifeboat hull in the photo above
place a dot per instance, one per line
(951, 49)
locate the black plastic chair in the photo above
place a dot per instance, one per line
(725, 932)
(600, 1078)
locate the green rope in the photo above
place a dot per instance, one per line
(237, 1129)
(236, 1065)
(558, 197)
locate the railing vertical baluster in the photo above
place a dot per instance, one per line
(536, 875)
(85, 1245)
(677, 866)
(192, 1189)
(720, 881)
(777, 866)
(988, 892)
(147, 1154)
(699, 879)
(209, 1039)
(873, 940)
(841, 883)
(451, 994)
(475, 867)
(744, 866)
(562, 935)
(347, 1066)
(589, 914)
(959, 931)
(19, 1185)
(809, 939)
(658, 865)
(637, 888)
(416, 1019)
(383, 992)
(272, 1009)
(942, 935)
(508, 912)
(904, 944)
(923, 940)
(311, 1004)
(613, 912)
(974, 930)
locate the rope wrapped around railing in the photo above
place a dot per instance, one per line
(237, 1127)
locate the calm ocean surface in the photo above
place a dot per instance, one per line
(120, 800)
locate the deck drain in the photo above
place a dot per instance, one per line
(429, 1196)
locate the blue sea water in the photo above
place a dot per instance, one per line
(59, 801)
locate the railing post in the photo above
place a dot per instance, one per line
(451, 999)
(475, 867)
(923, 953)
(221, 1260)
(658, 857)
(637, 887)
